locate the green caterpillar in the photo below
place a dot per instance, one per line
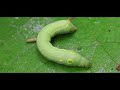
(61, 56)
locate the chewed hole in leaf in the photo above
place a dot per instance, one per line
(78, 49)
(111, 68)
(109, 30)
(118, 67)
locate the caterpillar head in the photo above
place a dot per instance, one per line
(84, 62)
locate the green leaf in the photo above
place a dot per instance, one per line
(97, 39)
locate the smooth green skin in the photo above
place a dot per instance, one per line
(97, 39)
(61, 56)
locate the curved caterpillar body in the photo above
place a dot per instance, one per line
(61, 56)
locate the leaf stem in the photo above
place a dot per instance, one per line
(31, 40)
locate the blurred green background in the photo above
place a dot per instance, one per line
(97, 39)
